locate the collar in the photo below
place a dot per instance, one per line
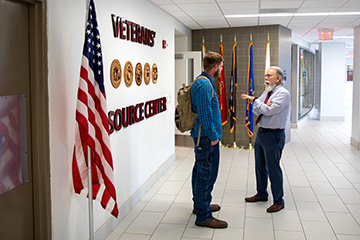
(208, 76)
(276, 88)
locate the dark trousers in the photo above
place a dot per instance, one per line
(268, 150)
(204, 175)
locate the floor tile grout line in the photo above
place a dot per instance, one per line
(301, 221)
(336, 190)
(316, 195)
(293, 197)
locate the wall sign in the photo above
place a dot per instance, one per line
(130, 31)
(133, 114)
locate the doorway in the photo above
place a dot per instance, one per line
(24, 157)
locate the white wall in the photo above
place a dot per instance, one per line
(355, 128)
(139, 150)
(332, 81)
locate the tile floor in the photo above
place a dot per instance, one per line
(322, 194)
(321, 182)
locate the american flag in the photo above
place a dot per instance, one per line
(92, 127)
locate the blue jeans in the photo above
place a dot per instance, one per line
(204, 175)
(268, 150)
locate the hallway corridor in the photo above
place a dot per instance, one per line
(322, 194)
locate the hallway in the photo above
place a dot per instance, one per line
(322, 193)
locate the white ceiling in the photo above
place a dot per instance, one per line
(206, 14)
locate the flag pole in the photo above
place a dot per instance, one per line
(90, 199)
(221, 40)
(250, 77)
(234, 93)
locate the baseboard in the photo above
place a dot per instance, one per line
(184, 140)
(104, 231)
(355, 143)
(299, 122)
(329, 118)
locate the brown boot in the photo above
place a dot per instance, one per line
(213, 223)
(214, 208)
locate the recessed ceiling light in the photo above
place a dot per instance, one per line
(292, 14)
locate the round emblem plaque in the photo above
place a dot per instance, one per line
(147, 73)
(154, 73)
(115, 73)
(128, 74)
(138, 74)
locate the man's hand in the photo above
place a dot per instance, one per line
(245, 96)
(269, 103)
(214, 142)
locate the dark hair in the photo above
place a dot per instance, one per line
(211, 59)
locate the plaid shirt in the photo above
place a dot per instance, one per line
(205, 103)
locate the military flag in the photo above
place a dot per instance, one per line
(250, 91)
(221, 92)
(267, 56)
(233, 85)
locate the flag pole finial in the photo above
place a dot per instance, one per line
(250, 36)
(203, 39)
(268, 36)
(221, 37)
(234, 37)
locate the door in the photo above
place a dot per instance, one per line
(187, 68)
(16, 197)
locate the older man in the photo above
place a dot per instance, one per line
(272, 108)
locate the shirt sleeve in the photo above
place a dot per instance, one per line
(204, 111)
(258, 102)
(279, 102)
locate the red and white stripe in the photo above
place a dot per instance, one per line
(11, 174)
(92, 130)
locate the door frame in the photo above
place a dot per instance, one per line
(39, 118)
(182, 74)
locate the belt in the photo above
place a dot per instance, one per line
(264, 130)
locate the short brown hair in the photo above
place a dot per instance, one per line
(211, 59)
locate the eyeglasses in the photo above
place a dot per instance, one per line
(268, 75)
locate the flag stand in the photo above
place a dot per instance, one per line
(250, 146)
(91, 213)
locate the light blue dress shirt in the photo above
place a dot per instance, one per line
(276, 115)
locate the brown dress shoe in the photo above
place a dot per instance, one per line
(255, 198)
(213, 223)
(275, 208)
(214, 208)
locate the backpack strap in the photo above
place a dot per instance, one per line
(212, 96)
(204, 77)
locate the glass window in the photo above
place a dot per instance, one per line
(306, 82)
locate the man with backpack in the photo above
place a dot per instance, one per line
(206, 133)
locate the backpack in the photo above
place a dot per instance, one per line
(185, 118)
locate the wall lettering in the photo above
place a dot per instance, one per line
(129, 115)
(130, 31)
